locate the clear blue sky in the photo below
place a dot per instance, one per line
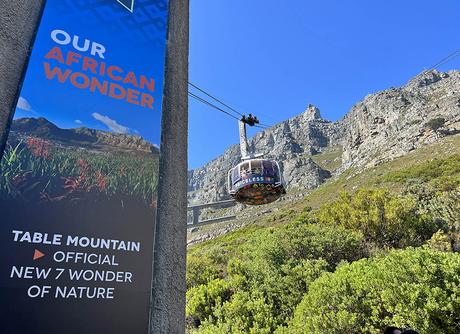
(273, 58)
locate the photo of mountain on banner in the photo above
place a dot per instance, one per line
(45, 163)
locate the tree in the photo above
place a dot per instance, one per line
(436, 123)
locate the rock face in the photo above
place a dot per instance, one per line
(381, 127)
(393, 122)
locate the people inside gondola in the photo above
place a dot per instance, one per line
(244, 171)
(256, 167)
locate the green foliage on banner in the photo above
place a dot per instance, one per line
(37, 169)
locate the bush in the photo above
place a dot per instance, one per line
(303, 240)
(440, 241)
(436, 123)
(269, 277)
(444, 207)
(202, 300)
(384, 218)
(201, 270)
(428, 171)
(417, 288)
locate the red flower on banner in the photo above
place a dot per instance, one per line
(84, 169)
(40, 148)
(101, 181)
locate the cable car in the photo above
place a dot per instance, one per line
(254, 181)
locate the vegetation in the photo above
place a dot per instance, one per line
(258, 290)
(330, 159)
(384, 218)
(431, 170)
(413, 288)
(436, 123)
(380, 249)
(39, 170)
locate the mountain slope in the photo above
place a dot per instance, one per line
(347, 231)
(379, 128)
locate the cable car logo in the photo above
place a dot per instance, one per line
(254, 179)
(128, 4)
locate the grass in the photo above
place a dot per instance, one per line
(330, 159)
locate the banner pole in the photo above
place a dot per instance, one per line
(169, 287)
(19, 21)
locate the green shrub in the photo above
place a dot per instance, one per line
(243, 306)
(445, 207)
(203, 300)
(384, 218)
(416, 288)
(428, 170)
(436, 123)
(303, 240)
(269, 278)
(440, 241)
(201, 270)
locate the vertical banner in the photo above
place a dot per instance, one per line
(79, 175)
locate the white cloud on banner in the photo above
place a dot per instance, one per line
(23, 104)
(111, 124)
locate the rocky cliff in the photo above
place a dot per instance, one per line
(396, 121)
(381, 127)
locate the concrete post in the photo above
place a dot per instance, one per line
(196, 215)
(18, 25)
(168, 294)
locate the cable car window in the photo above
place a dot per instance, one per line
(256, 167)
(277, 172)
(236, 175)
(244, 170)
(268, 168)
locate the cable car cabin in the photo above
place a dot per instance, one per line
(256, 182)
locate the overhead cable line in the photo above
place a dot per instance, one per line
(196, 97)
(212, 105)
(215, 98)
(445, 60)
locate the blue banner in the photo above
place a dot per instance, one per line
(78, 179)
